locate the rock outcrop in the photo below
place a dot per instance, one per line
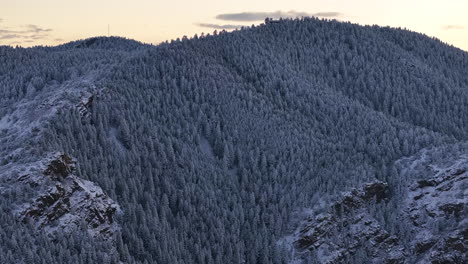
(433, 208)
(68, 203)
(348, 228)
(437, 210)
(85, 104)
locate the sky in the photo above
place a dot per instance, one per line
(52, 22)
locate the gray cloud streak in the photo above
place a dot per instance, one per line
(453, 27)
(217, 26)
(9, 36)
(258, 16)
(28, 29)
(327, 14)
(36, 29)
(26, 33)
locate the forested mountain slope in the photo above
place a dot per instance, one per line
(211, 146)
(421, 219)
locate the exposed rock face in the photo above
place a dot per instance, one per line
(69, 202)
(85, 104)
(60, 167)
(435, 209)
(55, 200)
(347, 227)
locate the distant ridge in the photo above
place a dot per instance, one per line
(106, 43)
(212, 149)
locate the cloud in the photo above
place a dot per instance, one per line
(26, 33)
(37, 36)
(327, 14)
(26, 29)
(36, 29)
(258, 16)
(6, 31)
(447, 27)
(1, 20)
(217, 26)
(9, 36)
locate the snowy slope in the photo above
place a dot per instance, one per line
(60, 201)
(428, 226)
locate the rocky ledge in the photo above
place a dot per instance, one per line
(348, 228)
(85, 104)
(433, 210)
(436, 208)
(68, 203)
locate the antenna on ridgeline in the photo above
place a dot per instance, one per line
(108, 30)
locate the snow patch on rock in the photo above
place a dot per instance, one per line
(62, 202)
(432, 205)
(68, 202)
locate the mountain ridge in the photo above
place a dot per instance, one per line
(209, 145)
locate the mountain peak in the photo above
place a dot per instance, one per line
(106, 43)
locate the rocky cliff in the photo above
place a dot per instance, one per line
(57, 199)
(66, 202)
(437, 210)
(348, 228)
(433, 211)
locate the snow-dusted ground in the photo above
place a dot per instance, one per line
(113, 137)
(432, 203)
(5, 123)
(26, 119)
(206, 148)
(58, 204)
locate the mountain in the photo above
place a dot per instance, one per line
(421, 223)
(217, 148)
(103, 43)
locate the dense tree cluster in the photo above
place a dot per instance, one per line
(211, 144)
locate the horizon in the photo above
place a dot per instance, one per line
(338, 134)
(228, 31)
(27, 23)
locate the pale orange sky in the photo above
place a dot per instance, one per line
(51, 22)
